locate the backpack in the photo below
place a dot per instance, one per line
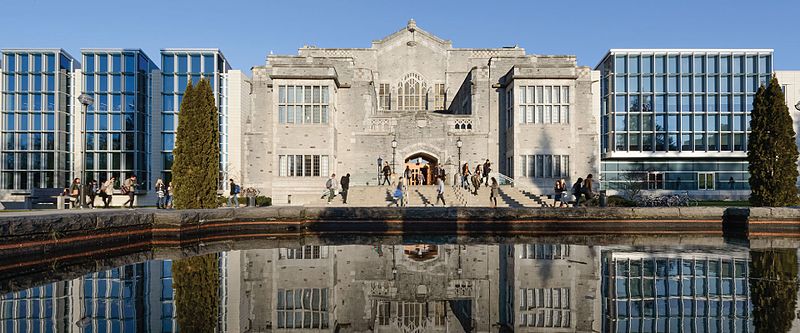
(236, 189)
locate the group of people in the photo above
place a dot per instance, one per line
(331, 188)
(105, 191)
(582, 189)
(472, 180)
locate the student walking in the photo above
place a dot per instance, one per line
(577, 190)
(129, 188)
(90, 192)
(398, 196)
(440, 191)
(330, 188)
(235, 189)
(107, 191)
(345, 183)
(494, 192)
(160, 194)
(387, 171)
(465, 176)
(407, 175)
(487, 168)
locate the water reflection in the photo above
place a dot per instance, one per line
(428, 287)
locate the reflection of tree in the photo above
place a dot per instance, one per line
(196, 283)
(773, 287)
(663, 140)
(632, 184)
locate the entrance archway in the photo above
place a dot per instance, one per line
(420, 167)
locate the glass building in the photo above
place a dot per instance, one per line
(679, 119)
(179, 67)
(686, 292)
(118, 123)
(36, 106)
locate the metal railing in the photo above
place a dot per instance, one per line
(504, 180)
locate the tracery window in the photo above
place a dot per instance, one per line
(412, 93)
(440, 96)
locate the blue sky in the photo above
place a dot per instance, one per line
(247, 30)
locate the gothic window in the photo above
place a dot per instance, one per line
(384, 97)
(412, 93)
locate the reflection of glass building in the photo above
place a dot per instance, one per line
(118, 123)
(687, 292)
(39, 309)
(36, 105)
(179, 67)
(679, 118)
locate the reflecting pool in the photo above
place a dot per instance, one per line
(535, 287)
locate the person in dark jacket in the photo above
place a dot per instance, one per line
(387, 171)
(577, 190)
(345, 182)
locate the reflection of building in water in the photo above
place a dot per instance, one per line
(131, 298)
(416, 288)
(550, 288)
(39, 309)
(671, 292)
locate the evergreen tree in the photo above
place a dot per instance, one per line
(771, 150)
(196, 282)
(195, 171)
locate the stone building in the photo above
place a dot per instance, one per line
(408, 100)
(414, 288)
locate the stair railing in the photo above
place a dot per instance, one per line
(504, 180)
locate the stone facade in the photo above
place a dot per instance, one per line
(416, 89)
(416, 288)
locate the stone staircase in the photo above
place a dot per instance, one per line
(425, 196)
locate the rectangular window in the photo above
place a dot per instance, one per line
(705, 180)
(544, 251)
(302, 308)
(553, 108)
(303, 165)
(384, 97)
(303, 104)
(545, 166)
(655, 181)
(440, 98)
(544, 307)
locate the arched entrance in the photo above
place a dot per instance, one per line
(421, 168)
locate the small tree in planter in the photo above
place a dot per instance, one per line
(251, 193)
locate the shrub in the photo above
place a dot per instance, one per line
(263, 201)
(619, 201)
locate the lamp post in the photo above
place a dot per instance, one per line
(394, 151)
(380, 165)
(459, 144)
(85, 100)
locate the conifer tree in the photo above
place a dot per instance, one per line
(196, 283)
(771, 150)
(195, 171)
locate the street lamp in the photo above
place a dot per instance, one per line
(459, 144)
(85, 100)
(394, 151)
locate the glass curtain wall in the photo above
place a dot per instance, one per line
(36, 108)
